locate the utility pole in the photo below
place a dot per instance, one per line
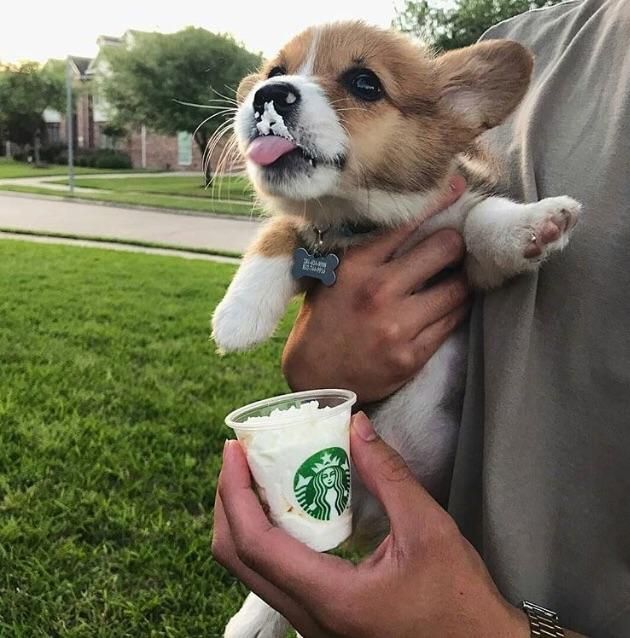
(69, 124)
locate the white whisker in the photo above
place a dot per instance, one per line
(212, 142)
(225, 97)
(208, 119)
(203, 106)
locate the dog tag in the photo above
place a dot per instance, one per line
(320, 267)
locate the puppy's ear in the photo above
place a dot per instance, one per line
(483, 83)
(246, 85)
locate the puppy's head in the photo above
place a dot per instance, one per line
(346, 110)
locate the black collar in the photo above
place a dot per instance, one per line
(347, 229)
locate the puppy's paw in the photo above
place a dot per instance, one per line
(551, 223)
(256, 619)
(505, 238)
(254, 303)
(238, 326)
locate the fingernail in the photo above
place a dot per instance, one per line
(363, 427)
(225, 447)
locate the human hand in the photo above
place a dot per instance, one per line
(371, 332)
(424, 580)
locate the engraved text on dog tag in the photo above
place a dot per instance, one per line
(320, 267)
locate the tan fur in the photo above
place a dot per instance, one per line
(293, 54)
(406, 142)
(480, 170)
(280, 237)
(246, 85)
(395, 143)
(502, 68)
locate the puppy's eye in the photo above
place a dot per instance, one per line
(277, 70)
(363, 84)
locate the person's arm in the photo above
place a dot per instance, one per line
(369, 332)
(424, 580)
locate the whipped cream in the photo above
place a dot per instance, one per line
(299, 458)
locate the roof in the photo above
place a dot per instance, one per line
(82, 64)
(108, 40)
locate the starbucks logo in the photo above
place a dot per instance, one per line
(322, 484)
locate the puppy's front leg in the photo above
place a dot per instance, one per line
(256, 619)
(261, 290)
(505, 238)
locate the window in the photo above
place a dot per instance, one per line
(52, 132)
(184, 148)
(106, 141)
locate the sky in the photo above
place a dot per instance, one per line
(42, 29)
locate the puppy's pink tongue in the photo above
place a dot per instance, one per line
(267, 149)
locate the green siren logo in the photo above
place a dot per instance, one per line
(322, 484)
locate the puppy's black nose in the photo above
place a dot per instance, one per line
(285, 97)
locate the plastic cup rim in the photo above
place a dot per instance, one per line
(230, 419)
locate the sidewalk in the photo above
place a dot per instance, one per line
(94, 220)
(106, 245)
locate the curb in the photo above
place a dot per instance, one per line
(102, 245)
(25, 234)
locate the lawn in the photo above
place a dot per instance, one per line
(229, 195)
(10, 168)
(228, 187)
(169, 202)
(111, 408)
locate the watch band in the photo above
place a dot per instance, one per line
(543, 623)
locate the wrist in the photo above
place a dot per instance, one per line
(519, 623)
(506, 621)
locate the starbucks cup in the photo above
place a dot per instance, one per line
(297, 447)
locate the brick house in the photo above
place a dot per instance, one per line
(146, 148)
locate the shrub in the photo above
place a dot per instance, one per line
(92, 158)
(53, 153)
(111, 159)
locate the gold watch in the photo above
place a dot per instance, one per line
(543, 623)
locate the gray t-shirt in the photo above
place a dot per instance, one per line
(541, 484)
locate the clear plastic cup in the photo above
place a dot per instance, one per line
(298, 450)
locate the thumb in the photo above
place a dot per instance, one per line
(387, 476)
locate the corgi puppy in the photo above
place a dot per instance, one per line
(351, 130)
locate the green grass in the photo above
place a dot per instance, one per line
(228, 187)
(230, 195)
(10, 168)
(111, 410)
(194, 204)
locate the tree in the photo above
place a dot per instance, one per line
(461, 25)
(26, 89)
(155, 79)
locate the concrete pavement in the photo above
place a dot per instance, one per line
(187, 231)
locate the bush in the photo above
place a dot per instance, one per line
(92, 158)
(55, 153)
(21, 155)
(84, 158)
(111, 159)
